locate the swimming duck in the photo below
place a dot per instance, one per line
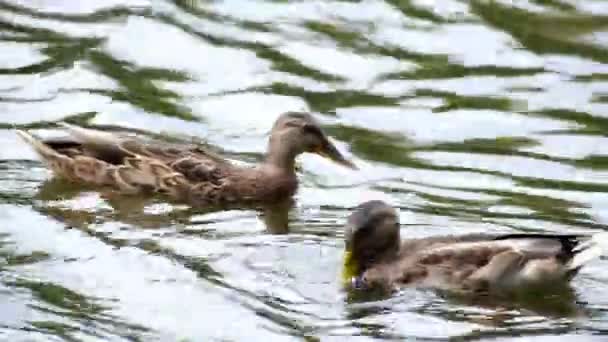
(186, 173)
(376, 257)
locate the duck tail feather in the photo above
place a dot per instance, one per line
(40, 147)
(88, 136)
(594, 247)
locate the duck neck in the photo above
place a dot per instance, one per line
(281, 155)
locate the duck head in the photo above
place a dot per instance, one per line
(295, 133)
(372, 237)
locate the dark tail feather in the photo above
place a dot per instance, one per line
(593, 247)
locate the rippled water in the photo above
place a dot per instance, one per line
(467, 115)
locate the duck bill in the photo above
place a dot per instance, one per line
(349, 267)
(330, 152)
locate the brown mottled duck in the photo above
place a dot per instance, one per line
(186, 173)
(377, 258)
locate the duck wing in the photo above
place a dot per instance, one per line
(194, 163)
(169, 153)
(132, 165)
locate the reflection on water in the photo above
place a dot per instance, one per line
(468, 116)
(77, 207)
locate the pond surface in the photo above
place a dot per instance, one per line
(471, 116)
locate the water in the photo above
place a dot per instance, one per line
(470, 116)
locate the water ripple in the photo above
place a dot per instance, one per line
(472, 116)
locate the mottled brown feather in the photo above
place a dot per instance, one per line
(186, 173)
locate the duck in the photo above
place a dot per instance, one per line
(187, 173)
(376, 257)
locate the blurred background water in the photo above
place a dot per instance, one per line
(469, 116)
